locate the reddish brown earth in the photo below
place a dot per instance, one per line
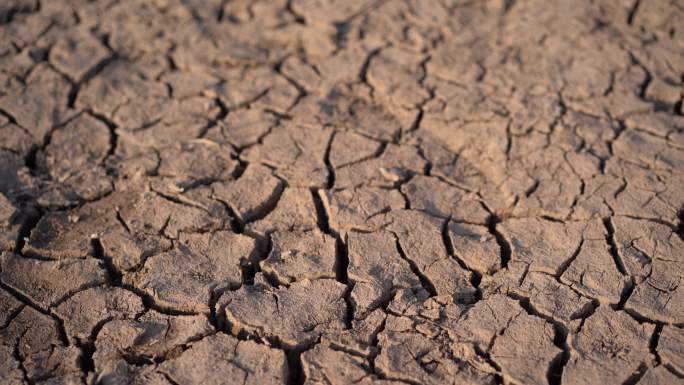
(336, 192)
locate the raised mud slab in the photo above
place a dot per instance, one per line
(333, 192)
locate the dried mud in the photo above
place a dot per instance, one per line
(335, 192)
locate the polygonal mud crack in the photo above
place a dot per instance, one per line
(332, 192)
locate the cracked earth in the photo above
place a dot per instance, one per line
(335, 192)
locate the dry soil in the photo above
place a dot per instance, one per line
(341, 191)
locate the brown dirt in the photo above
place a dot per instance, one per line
(335, 192)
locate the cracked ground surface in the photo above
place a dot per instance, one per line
(334, 192)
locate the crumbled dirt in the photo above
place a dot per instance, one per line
(334, 192)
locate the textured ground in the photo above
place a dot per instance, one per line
(335, 192)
